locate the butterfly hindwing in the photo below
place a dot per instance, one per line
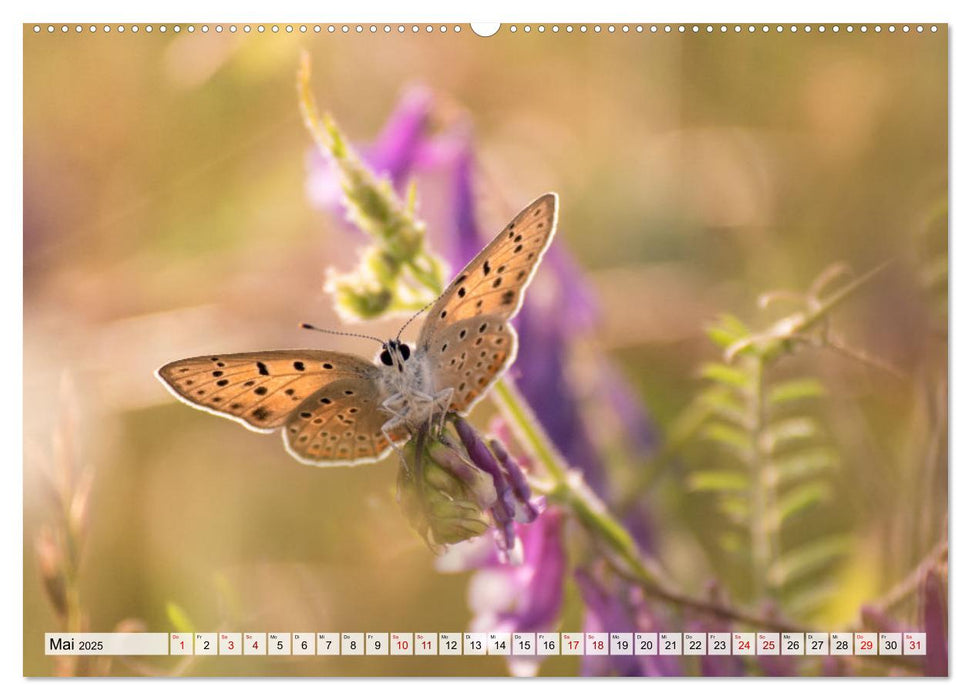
(468, 356)
(261, 389)
(340, 425)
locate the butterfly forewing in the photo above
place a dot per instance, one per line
(340, 424)
(262, 389)
(493, 283)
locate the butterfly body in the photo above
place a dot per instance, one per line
(413, 402)
(340, 409)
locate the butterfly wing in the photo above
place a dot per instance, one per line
(493, 283)
(262, 389)
(469, 355)
(470, 318)
(340, 425)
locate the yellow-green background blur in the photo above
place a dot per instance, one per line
(165, 216)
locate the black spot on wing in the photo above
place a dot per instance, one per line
(260, 413)
(262, 369)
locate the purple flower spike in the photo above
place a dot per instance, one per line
(397, 150)
(504, 509)
(934, 612)
(478, 452)
(525, 511)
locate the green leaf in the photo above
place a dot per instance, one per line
(723, 374)
(727, 330)
(783, 433)
(802, 464)
(729, 437)
(808, 559)
(799, 499)
(724, 404)
(689, 422)
(722, 480)
(735, 508)
(809, 596)
(178, 618)
(796, 390)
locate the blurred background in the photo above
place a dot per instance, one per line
(166, 215)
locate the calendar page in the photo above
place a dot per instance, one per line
(393, 349)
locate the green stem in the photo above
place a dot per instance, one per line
(760, 526)
(428, 275)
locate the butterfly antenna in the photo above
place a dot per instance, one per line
(311, 327)
(417, 314)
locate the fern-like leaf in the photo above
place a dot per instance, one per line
(808, 559)
(795, 390)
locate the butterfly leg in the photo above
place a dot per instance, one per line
(387, 430)
(443, 400)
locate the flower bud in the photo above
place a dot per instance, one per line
(442, 495)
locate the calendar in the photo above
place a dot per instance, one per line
(406, 345)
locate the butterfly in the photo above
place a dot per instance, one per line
(338, 409)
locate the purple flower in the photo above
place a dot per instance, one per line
(512, 502)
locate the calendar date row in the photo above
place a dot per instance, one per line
(489, 644)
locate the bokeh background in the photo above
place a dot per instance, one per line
(166, 215)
